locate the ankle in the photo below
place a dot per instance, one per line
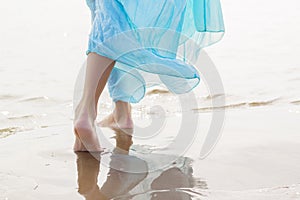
(122, 108)
(85, 111)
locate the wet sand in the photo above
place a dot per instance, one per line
(257, 158)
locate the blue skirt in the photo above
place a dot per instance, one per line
(153, 42)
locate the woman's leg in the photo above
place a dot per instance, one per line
(97, 73)
(121, 86)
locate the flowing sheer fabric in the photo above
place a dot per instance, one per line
(153, 41)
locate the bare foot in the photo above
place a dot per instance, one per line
(120, 119)
(85, 132)
(113, 122)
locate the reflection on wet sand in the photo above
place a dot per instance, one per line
(128, 176)
(169, 181)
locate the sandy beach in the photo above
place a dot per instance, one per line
(255, 159)
(42, 49)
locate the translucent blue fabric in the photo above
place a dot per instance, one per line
(153, 42)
